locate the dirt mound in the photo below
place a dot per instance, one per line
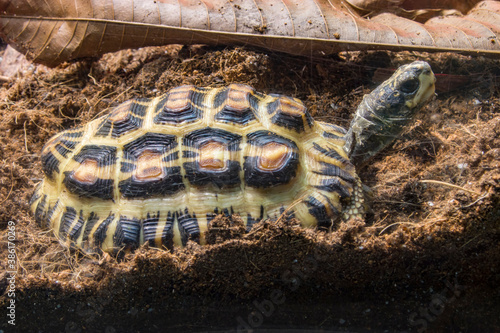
(426, 257)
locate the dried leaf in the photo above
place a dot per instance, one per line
(417, 10)
(462, 6)
(54, 31)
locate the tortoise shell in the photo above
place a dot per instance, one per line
(159, 170)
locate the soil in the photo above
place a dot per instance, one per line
(427, 256)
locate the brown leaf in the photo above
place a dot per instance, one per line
(54, 31)
(417, 10)
(462, 6)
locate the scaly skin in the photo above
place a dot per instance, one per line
(383, 114)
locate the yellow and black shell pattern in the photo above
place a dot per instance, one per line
(159, 170)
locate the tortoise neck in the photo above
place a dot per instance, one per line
(371, 130)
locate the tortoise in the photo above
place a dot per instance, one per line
(158, 170)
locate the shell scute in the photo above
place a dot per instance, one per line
(188, 226)
(179, 106)
(199, 145)
(127, 232)
(148, 167)
(237, 103)
(90, 172)
(123, 119)
(100, 234)
(89, 226)
(71, 224)
(150, 229)
(263, 148)
(289, 113)
(57, 149)
(50, 164)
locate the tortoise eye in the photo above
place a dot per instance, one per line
(410, 86)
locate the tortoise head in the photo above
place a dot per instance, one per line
(383, 114)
